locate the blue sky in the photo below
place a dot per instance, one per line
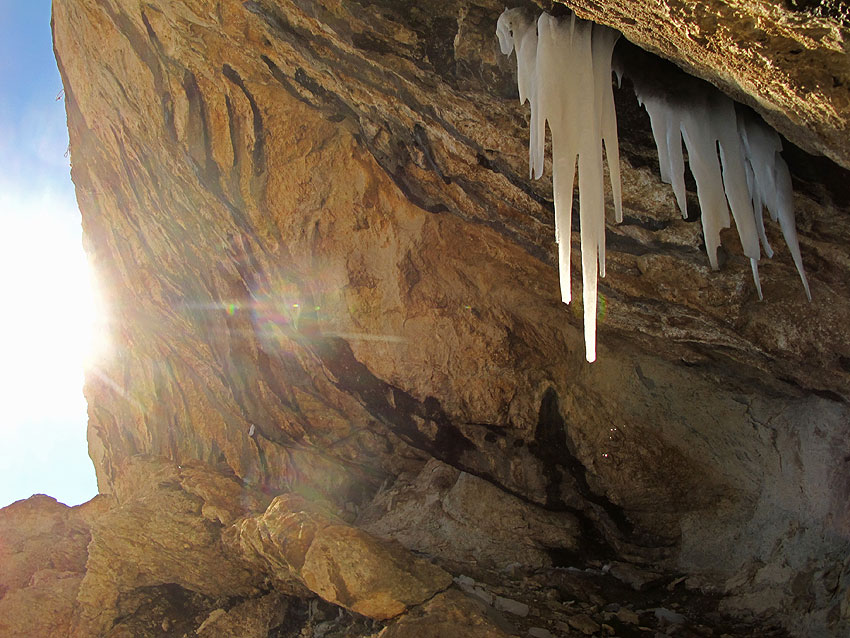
(47, 303)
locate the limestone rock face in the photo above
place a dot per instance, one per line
(330, 279)
(342, 564)
(468, 520)
(159, 532)
(42, 562)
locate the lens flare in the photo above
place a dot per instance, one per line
(52, 324)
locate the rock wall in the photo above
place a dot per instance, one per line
(331, 282)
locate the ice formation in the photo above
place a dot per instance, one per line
(564, 72)
(753, 177)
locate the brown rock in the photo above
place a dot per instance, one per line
(342, 564)
(252, 619)
(350, 568)
(466, 519)
(584, 623)
(40, 533)
(43, 608)
(627, 616)
(156, 534)
(42, 561)
(633, 576)
(447, 615)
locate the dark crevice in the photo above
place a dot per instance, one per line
(166, 103)
(404, 416)
(395, 408)
(143, 50)
(198, 135)
(233, 127)
(302, 78)
(631, 246)
(367, 42)
(258, 153)
(555, 449)
(327, 103)
(420, 138)
(440, 46)
(154, 38)
(522, 183)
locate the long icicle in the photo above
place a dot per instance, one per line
(569, 87)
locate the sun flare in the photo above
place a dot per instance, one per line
(50, 327)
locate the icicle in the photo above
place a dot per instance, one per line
(667, 130)
(754, 265)
(753, 175)
(785, 213)
(571, 91)
(564, 73)
(771, 184)
(702, 156)
(734, 173)
(758, 207)
(555, 103)
(603, 41)
(516, 30)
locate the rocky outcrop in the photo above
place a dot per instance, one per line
(467, 520)
(42, 562)
(340, 563)
(186, 547)
(335, 307)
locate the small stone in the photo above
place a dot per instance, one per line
(672, 585)
(553, 605)
(638, 579)
(614, 607)
(584, 623)
(608, 629)
(511, 606)
(539, 632)
(628, 616)
(214, 615)
(667, 616)
(166, 624)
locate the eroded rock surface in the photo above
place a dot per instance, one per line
(330, 279)
(465, 519)
(42, 563)
(340, 563)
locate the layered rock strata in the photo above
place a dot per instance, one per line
(328, 276)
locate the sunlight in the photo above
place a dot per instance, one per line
(49, 314)
(48, 324)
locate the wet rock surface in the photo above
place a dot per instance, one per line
(334, 308)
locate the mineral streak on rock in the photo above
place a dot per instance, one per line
(327, 272)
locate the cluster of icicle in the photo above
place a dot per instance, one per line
(564, 72)
(751, 174)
